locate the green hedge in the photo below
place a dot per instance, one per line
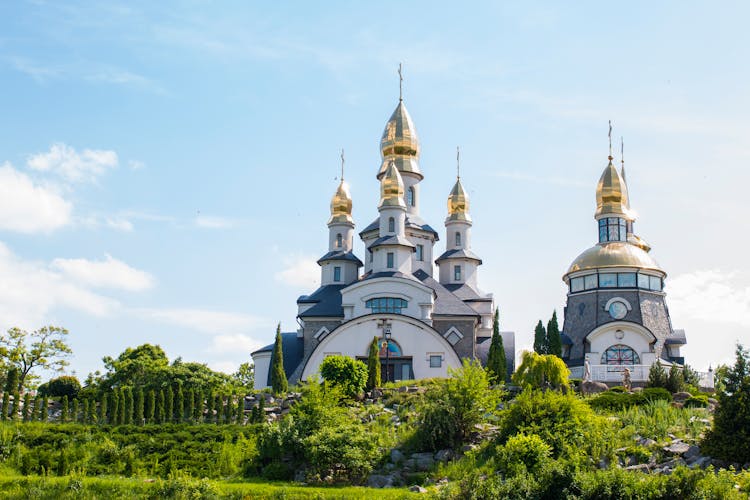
(613, 400)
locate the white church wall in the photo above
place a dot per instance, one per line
(262, 362)
(417, 295)
(619, 332)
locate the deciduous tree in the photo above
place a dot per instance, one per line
(45, 348)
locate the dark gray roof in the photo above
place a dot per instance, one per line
(340, 255)
(509, 345)
(459, 253)
(565, 339)
(292, 350)
(387, 274)
(466, 293)
(393, 239)
(327, 300)
(677, 338)
(371, 227)
(413, 221)
(446, 304)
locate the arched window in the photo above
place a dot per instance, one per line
(620, 355)
(391, 225)
(410, 196)
(458, 239)
(339, 240)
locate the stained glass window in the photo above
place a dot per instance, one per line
(620, 355)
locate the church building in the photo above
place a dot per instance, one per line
(426, 321)
(616, 315)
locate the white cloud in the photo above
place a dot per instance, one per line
(710, 295)
(228, 367)
(299, 271)
(212, 222)
(29, 208)
(108, 273)
(31, 290)
(136, 164)
(66, 162)
(235, 343)
(208, 321)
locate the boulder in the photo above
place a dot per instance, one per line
(681, 397)
(396, 456)
(692, 452)
(639, 468)
(646, 442)
(444, 455)
(591, 387)
(417, 489)
(380, 481)
(423, 461)
(468, 447)
(677, 448)
(699, 462)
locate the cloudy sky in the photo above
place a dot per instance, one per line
(166, 167)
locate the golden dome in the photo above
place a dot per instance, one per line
(613, 254)
(391, 188)
(341, 205)
(399, 143)
(612, 193)
(458, 203)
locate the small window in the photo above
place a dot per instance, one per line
(386, 305)
(339, 240)
(607, 280)
(389, 260)
(370, 252)
(626, 280)
(576, 284)
(436, 361)
(456, 272)
(458, 239)
(391, 225)
(643, 281)
(654, 283)
(410, 196)
(337, 273)
(420, 253)
(590, 282)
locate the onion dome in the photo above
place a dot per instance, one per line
(612, 194)
(399, 143)
(458, 203)
(391, 188)
(341, 205)
(614, 254)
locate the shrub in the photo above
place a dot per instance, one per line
(655, 394)
(350, 375)
(700, 401)
(541, 370)
(657, 377)
(61, 386)
(340, 454)
(524, 452)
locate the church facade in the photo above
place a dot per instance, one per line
(426, 322)
(616, 315)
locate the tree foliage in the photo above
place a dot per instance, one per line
(279, 383)
(45, 348)
(541, 370)
(244, 377)
(657, 376)
(66, 385)
(496, 363)
(373, 365)
(675, 380)
(554, 342)
(350, 375)
(540, 339)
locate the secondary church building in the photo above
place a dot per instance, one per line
(426, 320)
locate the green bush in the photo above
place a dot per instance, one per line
(700, 401)
(61, 386)
(346, 373)
(524, 452)
(655, 394)
(618, 388)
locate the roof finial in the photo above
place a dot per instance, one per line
(400, 84)
(622, 152)
(342, 164)
(609, 134)
(458, 163)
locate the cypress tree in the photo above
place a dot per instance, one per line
(197, 406)
(373, 365)
(209, 407)
(74, 411)
(103, 409)
(64, 411)
(540, 339)
(114, 407)
(11, 386)
(85, 411)
(138, 406)
(6, 404)
(218, 407)
(91, 419)
(279, 383)
(127, 404)
(16, 411)
(45, 405)
(27, 410)
(189, 405)
(179, 405)
(496, 364)
(260, 418)
(160, 407)
(168, 404)
(229, 409)
(150, 407)
(36, 415)
(554, 342)
(240, 417)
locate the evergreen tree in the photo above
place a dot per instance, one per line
(85, 411)
(675, 382)
(179, 405)
(43, 413)
(209, 408)
(197, 406)
(11, 385)
(36, 415)
(218, 407)
(103, 409)
(150, 407)
(74, 411)
(27, 409)
(554, 342)
(91, 419)
(189, 405)
(64, 410)
(138, 406)
(540, 339)
(114, 407)
(6, 405)
(373, 365)
(160, 407)
(657, 377)
(240, 415)
(128, 404)
(260, 416)
(496, 364)
(16, 411)
(279, 383)
(168, 404)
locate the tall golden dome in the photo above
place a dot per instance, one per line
(458, 203)
(399, 143)
(612, 193)
(341, 205)
(391, 188)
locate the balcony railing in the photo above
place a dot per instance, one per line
(638, 373)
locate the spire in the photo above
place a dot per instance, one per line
(458, 201)
(612, 192)
(341, 203)
(399, 142)
(400, 84)
(458, 163)
(391, 188)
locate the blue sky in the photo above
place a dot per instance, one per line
(166, 168)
